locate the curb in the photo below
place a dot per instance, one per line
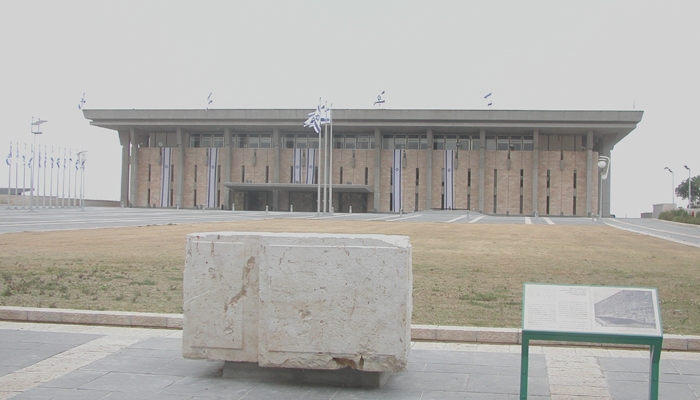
(435, 333)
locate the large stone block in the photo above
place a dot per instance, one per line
(292, 300)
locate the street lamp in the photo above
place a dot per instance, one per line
(673, 185)
(35, 130)
(603, 168)
(690, 196)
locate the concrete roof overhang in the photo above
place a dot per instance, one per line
(550, 122)
(296, 187)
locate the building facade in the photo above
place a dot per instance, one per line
(492, 161)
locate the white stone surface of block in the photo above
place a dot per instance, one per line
(313, 301)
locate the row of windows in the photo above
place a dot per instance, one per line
(393, 141)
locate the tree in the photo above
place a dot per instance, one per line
(682, 190)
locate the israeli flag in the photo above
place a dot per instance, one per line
(8, 160)
(396, 173)
(166, 155)
(314, 120)
(310, 165)
(296, 176)
(212, 181)
(449, 166)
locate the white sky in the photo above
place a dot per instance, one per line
(533, 55)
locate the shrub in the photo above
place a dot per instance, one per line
(680, 215)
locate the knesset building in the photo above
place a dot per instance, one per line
(504, 162)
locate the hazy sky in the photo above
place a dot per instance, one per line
(606, 55)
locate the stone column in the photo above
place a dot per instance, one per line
(429, 172)
(124, 141)
(226, 166)
(276, 145)
(482, 164)
(180, 168)
(535, 170)
(377, 167)
(590, 179)
(133, 172)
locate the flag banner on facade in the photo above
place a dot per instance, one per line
(396, 180)
(212, 182)
(166, 154)
(449, 179)
(310, 165)
(296, 177)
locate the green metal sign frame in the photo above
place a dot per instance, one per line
(654, 341)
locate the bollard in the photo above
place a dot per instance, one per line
(332, 209)
(291, 208)
(233, 206)
(401, 211)
(467, 214)
(265, 209)
(350, 210)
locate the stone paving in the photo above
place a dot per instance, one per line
(62, 361)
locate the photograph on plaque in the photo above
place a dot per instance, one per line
(591, 309)
(624, 308)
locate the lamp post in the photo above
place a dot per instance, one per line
(673, 185)
(82, 157)
(603, 168)
(690, 196)
(35, 130)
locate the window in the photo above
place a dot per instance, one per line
(574, 205)
(413, 143)
(371, 142)
(267, 174)
(548, 182)
(417, 176)
(338, 141)
(451, 142)
(502, 143)
(469, 178)
(149, 172)
(350, 141)
(527, 143)
(463, 142)
(265, 141)
(366, 175)
(242, 141)
(195, 172)
(341, 175)
(253, 140)
(206, 140)
(438, 142)
(195, 139)
(516, 143)
(522, 180)
(575, 182)
(218, 140)
(400, 142)
(242, 173)
(289, 141)
(388, 142)
(423, 142)
(490, 142)
(495, 179)
(475, 143)
(301, 142)
(363, 141)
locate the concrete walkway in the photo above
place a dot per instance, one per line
(62, 361)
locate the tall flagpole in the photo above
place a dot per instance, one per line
(318, 166)
(325, 170)
(24, 173)
(9, 176)
(70, 161)
(330, 195)
(51, 181)
(45, 168)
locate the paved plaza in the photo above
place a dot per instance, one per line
(62, 361)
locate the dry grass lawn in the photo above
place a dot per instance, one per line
(463, 274)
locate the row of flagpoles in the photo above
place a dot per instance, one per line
(315, 120)
(58, 177)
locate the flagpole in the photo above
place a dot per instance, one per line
(70, 161)
(318, 180)
(51, 181)
(325, 170)
(63, 180)
(44, 190)
(330, 195)
(9, 177)
(24, 174)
